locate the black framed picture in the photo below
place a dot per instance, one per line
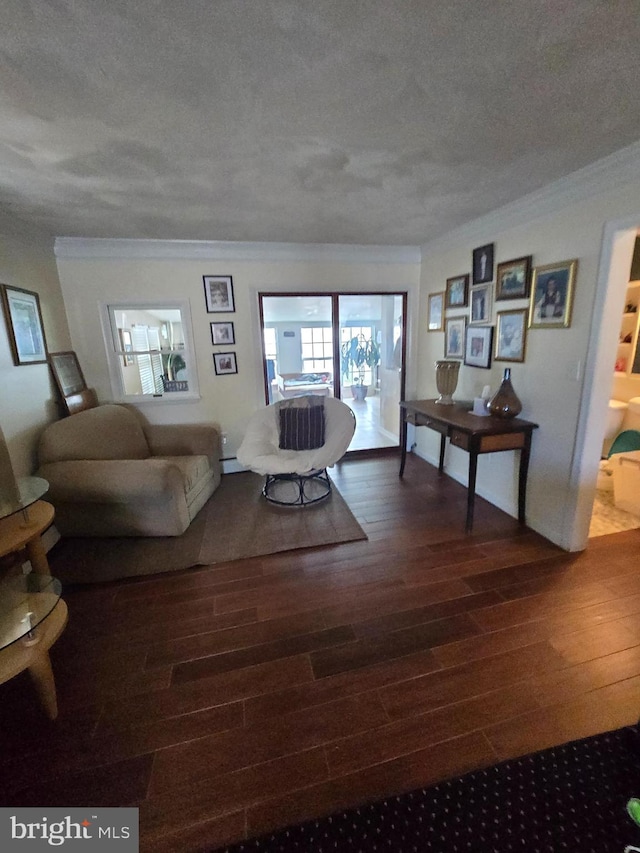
(483, 264)
(218, 293)
(222, 334)
(457, 292)
(477, 351)
(225, 363)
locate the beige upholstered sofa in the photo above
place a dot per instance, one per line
(110, 474)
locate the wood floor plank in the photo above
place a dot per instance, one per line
(395, 644)
(275, 650)
(291, 733)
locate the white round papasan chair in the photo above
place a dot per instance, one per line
(296, 477)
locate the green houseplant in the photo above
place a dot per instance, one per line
(358, 354)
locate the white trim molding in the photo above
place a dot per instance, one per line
(89, 247)
(617, 169)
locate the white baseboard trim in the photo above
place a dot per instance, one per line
(232, 466)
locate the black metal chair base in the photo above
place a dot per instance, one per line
(297, 489)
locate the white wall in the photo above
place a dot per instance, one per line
(565, 221)
(96, 271)
(28, 400)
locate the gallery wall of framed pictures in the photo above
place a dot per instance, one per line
(489, 329)
(219, 298)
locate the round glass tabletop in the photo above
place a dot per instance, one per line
(25, 602)
(28, 490)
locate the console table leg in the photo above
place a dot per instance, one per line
(403, 445)
(525, 454)
(471, 489)
(443, 445)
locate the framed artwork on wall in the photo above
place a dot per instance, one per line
(483, 264)
(218, 293)
(477, 352)
(435, 312)
(511, 335)
(457, 291)
(513, 279)
(454, 337)
(552, 295)
(480, 304)
(24, 325)
(222, 334)
(225, 362)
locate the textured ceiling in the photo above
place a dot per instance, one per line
(339, 121)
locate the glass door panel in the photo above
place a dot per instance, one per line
(297, 338)
(371, 365)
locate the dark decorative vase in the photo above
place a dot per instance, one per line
(505, 402)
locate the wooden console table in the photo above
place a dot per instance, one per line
(472, 433)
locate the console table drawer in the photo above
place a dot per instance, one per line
(459, 439)
(508, 441)
(424, 420)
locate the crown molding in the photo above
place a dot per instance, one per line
(121, 249)
(617, 169)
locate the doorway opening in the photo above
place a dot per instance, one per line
(348, 345)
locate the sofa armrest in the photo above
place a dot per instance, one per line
(184, 440)
(112, 481)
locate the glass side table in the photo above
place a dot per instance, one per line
(23, 517)
(32, 617)
(28, 490)
(25, 602)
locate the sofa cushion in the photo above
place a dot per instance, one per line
(106, 432)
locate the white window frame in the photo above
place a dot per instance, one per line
(114, 352)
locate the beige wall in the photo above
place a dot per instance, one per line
(554, 383)
(225, 400)
(27, 397)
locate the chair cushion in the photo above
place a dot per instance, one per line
(301, 428)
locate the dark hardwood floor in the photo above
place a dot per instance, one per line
(230, 700)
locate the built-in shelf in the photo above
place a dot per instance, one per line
(629, 327)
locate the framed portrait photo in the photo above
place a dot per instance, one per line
(513, 279)
(222, 334)
(225, 363)
(511, 335)
(480, 300)
(483, 264)
(552, 295)
(218, 293)
(24, 325)
(454, 337)
(435, 312)
(477, 352)
(457, 292)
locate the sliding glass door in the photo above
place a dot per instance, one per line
(346, 345)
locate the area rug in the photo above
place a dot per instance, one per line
(235, 522)
(581, 797)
